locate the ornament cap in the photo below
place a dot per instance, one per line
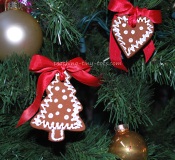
(122, 128)
(13, 5)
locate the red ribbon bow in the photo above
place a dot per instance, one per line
(76, 67)
(124, 7)
(2, 2)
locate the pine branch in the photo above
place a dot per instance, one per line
(163, 124)
(160, 69)
(26, 143)
(159, 152)
(93, 147)
(57, 25)
(17, 86)
(127, 99)
(147, 3)
(165, 31)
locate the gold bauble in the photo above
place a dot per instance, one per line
(19, 33)
(128, 145)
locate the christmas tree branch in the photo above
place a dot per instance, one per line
(58, 25)
(16, 83)
(160, 69)
(147, 3)
(128, 100)
(94, 146)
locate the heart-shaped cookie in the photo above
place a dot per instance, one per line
(131, 40)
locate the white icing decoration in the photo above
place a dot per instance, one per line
(141, 28)
(54, 127)
(55, 100)
(60, 106)
(116, 30)
(53, 135)
(50, 115)
(70, 95)
(125, 32)
(57, 113)
(68, 110)
(133, 32)
(52, 82)
(66, 117)
(63, 90)
(64, 97)
(57, 88)
(130, 40)
(124, 25)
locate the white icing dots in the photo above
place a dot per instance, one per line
(141, 28)
(64, 97)
(55, 100)
(50, 115)
(60, 106)
(125, 32)
(130, 40)
(57, 88)
(45, 118)
(132, 31)
(124, 25)
(57, 113)
(66, 117)
(68, 110)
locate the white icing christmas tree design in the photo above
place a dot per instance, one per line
(59, 110)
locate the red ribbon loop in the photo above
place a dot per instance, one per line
(124, 7)
(76, 67)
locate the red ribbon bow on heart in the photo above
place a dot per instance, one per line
(123, 7)
(76, 67)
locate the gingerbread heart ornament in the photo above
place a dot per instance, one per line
(132, 39)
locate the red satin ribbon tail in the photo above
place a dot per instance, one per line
(115, 54)
(43, 81)
(86, 78)
(120, 66)
(28, 113)
(149, 50)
